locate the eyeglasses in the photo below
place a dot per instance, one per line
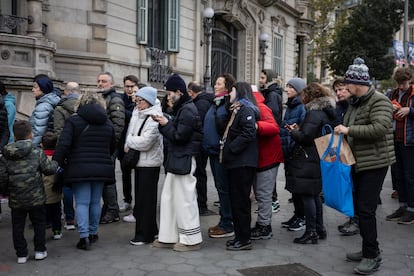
(139, 100)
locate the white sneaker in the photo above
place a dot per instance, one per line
(22, 260)
(40, 255)
(57, 235)
(125, 206)
(129, 218)
(69, 227)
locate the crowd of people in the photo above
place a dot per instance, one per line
(66, 153)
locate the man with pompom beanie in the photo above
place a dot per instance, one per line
(367, 127)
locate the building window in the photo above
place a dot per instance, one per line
(158, 24)
(8, 17)
(277, 54)
(411, 33)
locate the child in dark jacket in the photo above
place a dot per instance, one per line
(53, 194)
(24, 165)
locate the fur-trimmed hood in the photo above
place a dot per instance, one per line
(326, 104)
(321, 103)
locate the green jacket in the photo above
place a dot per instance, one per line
(24, 165)
(370, 136)
(115, 108)
(65, 108)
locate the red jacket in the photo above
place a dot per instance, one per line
(268, 136)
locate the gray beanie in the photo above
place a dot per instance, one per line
(298, 84)
(357, 73)
(148, 93)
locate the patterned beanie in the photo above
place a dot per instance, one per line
(357, 73)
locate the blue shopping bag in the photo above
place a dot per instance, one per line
(337, 183)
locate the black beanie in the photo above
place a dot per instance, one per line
(174, 83)
(45, 84)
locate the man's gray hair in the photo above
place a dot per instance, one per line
(108, 74)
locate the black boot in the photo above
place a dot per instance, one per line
(83, 244)
(308, 236)
(93, 238)
(321, 234)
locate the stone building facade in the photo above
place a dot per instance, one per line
(74, 40)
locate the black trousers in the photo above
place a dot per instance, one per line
(127, 184)
(145, 208)
(201, 176)
(298, 205)
(240, 182)
(313, 212)
(54, 214)
(37, 216)
(368, 185)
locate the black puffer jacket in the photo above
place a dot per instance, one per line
(273, 99)
(203, 102)
(241, 148)
(184, 133)
(303, 174)
(87, 142)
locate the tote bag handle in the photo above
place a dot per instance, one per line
(338, 149)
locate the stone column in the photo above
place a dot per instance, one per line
(34, 13)
(303, 57)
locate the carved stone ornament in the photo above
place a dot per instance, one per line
(5, 54)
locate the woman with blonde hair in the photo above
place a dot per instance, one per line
(86, 145)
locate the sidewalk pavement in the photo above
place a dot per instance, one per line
(113, 255)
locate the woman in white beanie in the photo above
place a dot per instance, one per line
(149, 144)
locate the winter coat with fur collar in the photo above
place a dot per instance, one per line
(303, 175)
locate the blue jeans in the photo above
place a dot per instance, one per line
(88, 206)
(68, 203)
(222, 186)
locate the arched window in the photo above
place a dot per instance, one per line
(224, 48)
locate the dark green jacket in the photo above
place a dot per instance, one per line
(115, 108)
(24, 165)
(65, 108)
(370, 136)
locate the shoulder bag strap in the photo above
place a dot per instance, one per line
(223, 140)
(142, 126)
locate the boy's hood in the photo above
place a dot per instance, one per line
(18, 150)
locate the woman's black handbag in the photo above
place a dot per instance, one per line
(178, 164)
(131, 158)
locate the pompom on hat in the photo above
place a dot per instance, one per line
(358, 73)
(147, 93)
(174, 83)
(45, 85)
